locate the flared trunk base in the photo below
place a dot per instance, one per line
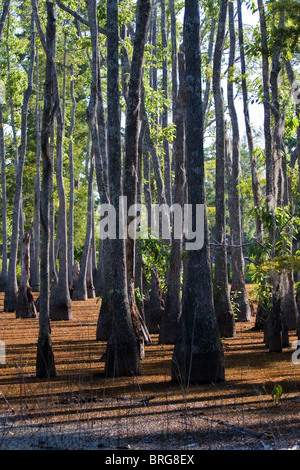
(45, 364)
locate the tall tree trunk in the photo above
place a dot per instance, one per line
(45, 363)
(123, 349)
(97, 126)
(11, 287)
(238, 287)
(71, 176)
(81, 291)
(198, 355)
(3, 16)
(173, 306)
(131, 144)
(167, 164)
(224, 312)
(60, 302)
(257, 197)
(3, 277)
(273, 323)
(35, 256)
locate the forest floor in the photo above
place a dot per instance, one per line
(82, 409)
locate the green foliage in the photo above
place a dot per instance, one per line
(274, 255)
(156, 255)
(276, 394)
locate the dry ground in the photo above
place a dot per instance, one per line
(81, 409)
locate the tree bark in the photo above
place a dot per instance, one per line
(3, 277)
(223, 308)
(35, 257)
(131, 139)
(167, 164)
(81, 290)
(45, 363)
(25, 307)
(12, 287)
(71, 173)
(60, 302)
(170, 318)
(238, 287)
(257, 197)
(123, 348)
(198, 355)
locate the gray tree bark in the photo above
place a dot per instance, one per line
(81, 290)
(25, 306)
(173, 305)
(45, 363)
(35, 255)
(167, 163)
(198, 355)
(3, 277)
(123, 349)
(238, 286)
(223, 308)
(60, 302)
(257, 197)
(71, 176)
(11, 286)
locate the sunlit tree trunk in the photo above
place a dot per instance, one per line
(173, 305)
(12, 287)
(198, 355)
(238, 286)
(123, 351)
(25, 306)
(45, 363)
(224, 312)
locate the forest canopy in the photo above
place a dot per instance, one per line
(164, 102)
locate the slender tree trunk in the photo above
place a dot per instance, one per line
(71, 176)
(167, 164)
(131, 145)
(255, 180)
(267, 110)
(3, 277)
(3, 16)
(238, 287)
(97, 126)
(123, 349)
(209, 60)
(35, 257)
(81, 291)
(60, 302)
(45, 363)
(11, 287)
(224, 312)
(25, 307)
(173, 306)
(198, 355)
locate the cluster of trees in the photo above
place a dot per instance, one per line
(146, 99)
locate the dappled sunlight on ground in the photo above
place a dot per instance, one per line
(148, 411)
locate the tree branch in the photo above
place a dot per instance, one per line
(38, 24)
(78, 17)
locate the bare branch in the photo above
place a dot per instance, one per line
(78, 17)
(38, 24)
